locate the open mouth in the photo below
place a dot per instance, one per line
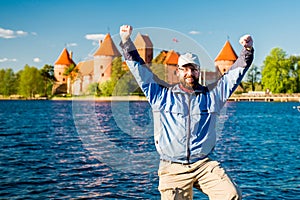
(189, 79)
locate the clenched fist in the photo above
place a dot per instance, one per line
(246, 41)
(125, 32)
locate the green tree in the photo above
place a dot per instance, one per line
(8, 84)
(2, 82)
(276, 71)
(47, 72)
(31, 82)
(295, 73)
(71, 71)
(117, 70)
(93, 88)
(126, 85)
(253, 76)
(106, 88)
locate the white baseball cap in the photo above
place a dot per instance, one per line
(188, 58)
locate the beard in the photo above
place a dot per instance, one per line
(189, 82)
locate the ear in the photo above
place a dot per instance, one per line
(177, 71)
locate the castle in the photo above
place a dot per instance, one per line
(75, 78)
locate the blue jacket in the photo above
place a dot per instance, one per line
(184, 123)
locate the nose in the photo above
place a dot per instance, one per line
(189, 72)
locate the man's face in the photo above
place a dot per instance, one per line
(188, 75)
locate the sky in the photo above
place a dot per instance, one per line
(34, 32)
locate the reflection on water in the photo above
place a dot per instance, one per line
(89, 150)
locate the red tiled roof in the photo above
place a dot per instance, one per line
(171, 58)
(160, 58)
(107, 48)
(227, 53)
(64, 58)
(86, 67)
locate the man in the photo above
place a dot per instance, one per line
(184, 122)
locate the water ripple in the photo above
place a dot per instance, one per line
(43, 155)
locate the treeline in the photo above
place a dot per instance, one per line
(280, 73)
(27, 82)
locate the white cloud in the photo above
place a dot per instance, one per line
(72, 45)
(37, 60)
(8, 34)
(194, 32)
(96, 37)
(21, 33)
(8, 60)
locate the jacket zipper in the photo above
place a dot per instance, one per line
(188, 129)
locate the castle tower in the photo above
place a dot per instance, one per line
(170, 63)
(225, 58)
(144, 46)
(63, 62)
(103, 58)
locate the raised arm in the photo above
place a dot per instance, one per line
(230, 80)
(148, 82)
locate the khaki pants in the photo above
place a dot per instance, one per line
(176, 181)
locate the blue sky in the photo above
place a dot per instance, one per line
(34, 32)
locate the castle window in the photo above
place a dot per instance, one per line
(64, 79)
(102, 74)
(59, 73)
(101, 66)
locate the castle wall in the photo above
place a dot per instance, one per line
(59, 70)
(224, 65)
(102, 68)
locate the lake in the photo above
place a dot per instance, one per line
(105, 150)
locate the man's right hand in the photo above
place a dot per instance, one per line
(125, 32)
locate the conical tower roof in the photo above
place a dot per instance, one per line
(227, 53)
(107, 48)
(142, 41)
(64, 58)
(171, 58)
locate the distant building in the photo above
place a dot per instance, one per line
(170, 64)
(96, 70)
(99, 68)
(144, 46)
(84, 78)
(225, 58)
(63, 62)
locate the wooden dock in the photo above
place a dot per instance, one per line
(265, 97)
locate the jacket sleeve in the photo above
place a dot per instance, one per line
(227, 84)
(147, 81)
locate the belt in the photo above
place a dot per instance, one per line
(172, 162)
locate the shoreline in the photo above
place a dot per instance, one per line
(265, 97)
(80, 98)
(94, 98)
(234, 98)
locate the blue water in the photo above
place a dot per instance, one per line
(99, 150)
